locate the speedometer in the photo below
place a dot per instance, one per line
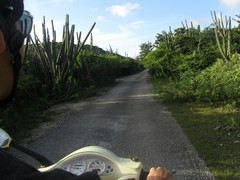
(97, 166)
(77, 168)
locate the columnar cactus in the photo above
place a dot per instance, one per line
(223, 35)
(55, 61)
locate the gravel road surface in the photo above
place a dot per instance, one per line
(128, 121)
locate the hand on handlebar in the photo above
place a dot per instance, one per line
(159, 174)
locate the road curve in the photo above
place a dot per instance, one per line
(129, 122)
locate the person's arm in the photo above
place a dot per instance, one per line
(11, 166)
(159, 174)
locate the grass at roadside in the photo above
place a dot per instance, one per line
(212, 131)
(26, 114)
(19, 119)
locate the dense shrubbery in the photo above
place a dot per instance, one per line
(198, 74)
(217, 83)
(197, 63)
(103, 69)
(90, 70)
(189, 50)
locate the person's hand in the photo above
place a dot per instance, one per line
(159, 174)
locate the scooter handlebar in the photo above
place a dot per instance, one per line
(143, 175)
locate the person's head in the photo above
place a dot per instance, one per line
(15, 26)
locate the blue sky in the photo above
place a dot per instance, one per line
(124, 25)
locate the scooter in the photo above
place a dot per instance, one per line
(88, 159)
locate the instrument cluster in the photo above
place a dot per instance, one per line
(80, 165)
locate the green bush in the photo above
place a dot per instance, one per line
(129, 66)
(29, 86)
(217, 83)
(161, 63)
(196, 61)
(104, 69)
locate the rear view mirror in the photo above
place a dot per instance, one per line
(5, 139)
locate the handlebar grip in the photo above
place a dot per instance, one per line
(143, 175)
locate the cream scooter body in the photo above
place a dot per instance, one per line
(88, 159)
(99, 160)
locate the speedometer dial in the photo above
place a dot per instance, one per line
(77, 168)
(97, 166)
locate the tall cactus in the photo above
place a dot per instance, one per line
(55, 63)
(192, 32)
(223, 34)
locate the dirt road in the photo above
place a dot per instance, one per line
(128, 121)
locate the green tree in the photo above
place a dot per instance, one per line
(186, 40)
(145, 48)
(164, 39)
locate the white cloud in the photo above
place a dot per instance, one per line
(125, 40)
(232, 4)
(56, 2)
(123, 10)
(100, 18)
(109, 38)
(135, 25)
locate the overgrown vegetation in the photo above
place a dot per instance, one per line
(214, 131)
(203, 65)
(61, 71)
(197, 75)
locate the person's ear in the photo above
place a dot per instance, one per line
(2, 43)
